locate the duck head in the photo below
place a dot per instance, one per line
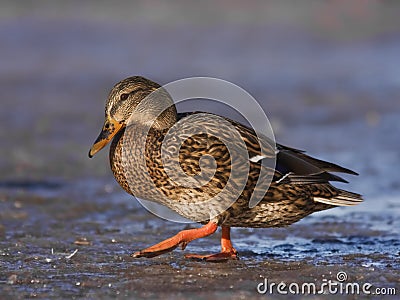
(128, 102)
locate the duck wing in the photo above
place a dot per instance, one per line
(293, 166)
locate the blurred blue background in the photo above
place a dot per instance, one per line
(327, 74)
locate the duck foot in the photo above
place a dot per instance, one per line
(180, 239)
(227, 250)
(218, 257)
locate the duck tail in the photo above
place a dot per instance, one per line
(343, 198)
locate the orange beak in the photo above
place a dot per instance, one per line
(110, 129)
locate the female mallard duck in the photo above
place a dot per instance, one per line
(299, 184)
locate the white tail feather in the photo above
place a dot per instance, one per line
(341, 200)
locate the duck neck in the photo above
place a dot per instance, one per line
(153, 119)
(166, 119)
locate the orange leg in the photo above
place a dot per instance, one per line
(227, 250)
(180, 239)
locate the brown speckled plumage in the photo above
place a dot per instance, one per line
(300, 184)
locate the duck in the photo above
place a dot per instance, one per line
(182, 161)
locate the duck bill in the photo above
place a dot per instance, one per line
(110, 129)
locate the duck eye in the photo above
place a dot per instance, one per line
(124, 97)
